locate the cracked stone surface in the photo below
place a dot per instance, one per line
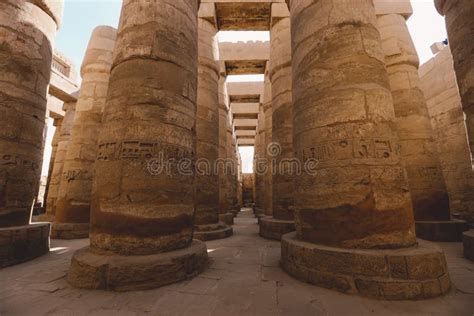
(243, 279)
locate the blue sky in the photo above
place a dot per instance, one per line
(82, 16)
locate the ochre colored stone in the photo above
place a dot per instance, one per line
(27, 34)
(359, 197)
(74, 194)
(369, 272)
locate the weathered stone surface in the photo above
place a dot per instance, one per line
(63, 140)
(282, 119)
(70, 230)
(247, 189)
(272, 228)
(143, 196)
(417, 272)
(149, 119)
(438, 82)
(267, 106)
(460, 27)
(259, 162)
(344, 118)
(213, 231)
(207, 137)
(74, 194)
(248, 16)
(26, 46)
(93, 270)
(468, 242)
(22, 243)
(418, 148)
(450, 231)
(227, 218)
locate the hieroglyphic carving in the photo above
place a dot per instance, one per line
(135, 150)
(352, 149)
(17, 161)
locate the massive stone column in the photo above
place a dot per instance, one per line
(281, 148)
(460, 26)
(63, 140)
(27, 31)
(267, 106)
(418, 148)
(48, 216)
(354, 219)
(224, 214)
(74, 196)
(232, 173)
(259, 159)
(142, 210)
(207, 224)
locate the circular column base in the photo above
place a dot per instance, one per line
(450, 231)
(418, 272)
(468, 241)
(90, 270)
(272, 228)
(70, 231)
(227, 218)
(23, 243)
(212, 232)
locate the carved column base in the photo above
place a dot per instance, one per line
(90, 270)
(468, 241)
(23, 243)
(450, 231)
(272, 228)
(70, 230)
(417, 272)
(212, 232)
(227, 218)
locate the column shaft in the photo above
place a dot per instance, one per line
(460, 26)
(149, 122)
(207, 126)
(282, 119)
(267, 105)
(344, 118)
(418, 149)
(26, 50)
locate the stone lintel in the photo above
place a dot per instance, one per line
(279, 11)
(207, 11)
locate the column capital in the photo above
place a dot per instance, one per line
(207, 11)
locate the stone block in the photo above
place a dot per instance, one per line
(91, 270)
(23, 243)
(416, 272)
(468, 242)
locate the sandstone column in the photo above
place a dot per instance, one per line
(64, 137)
(267, 106)
(259, 156)
(418, 148)
(207, 224)
(231, 174)
(74, 196)
(27, 31)
(224, 214)
(460, 26)
(354, 220)
(281, 148)
(48, 216)
(142, 210)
